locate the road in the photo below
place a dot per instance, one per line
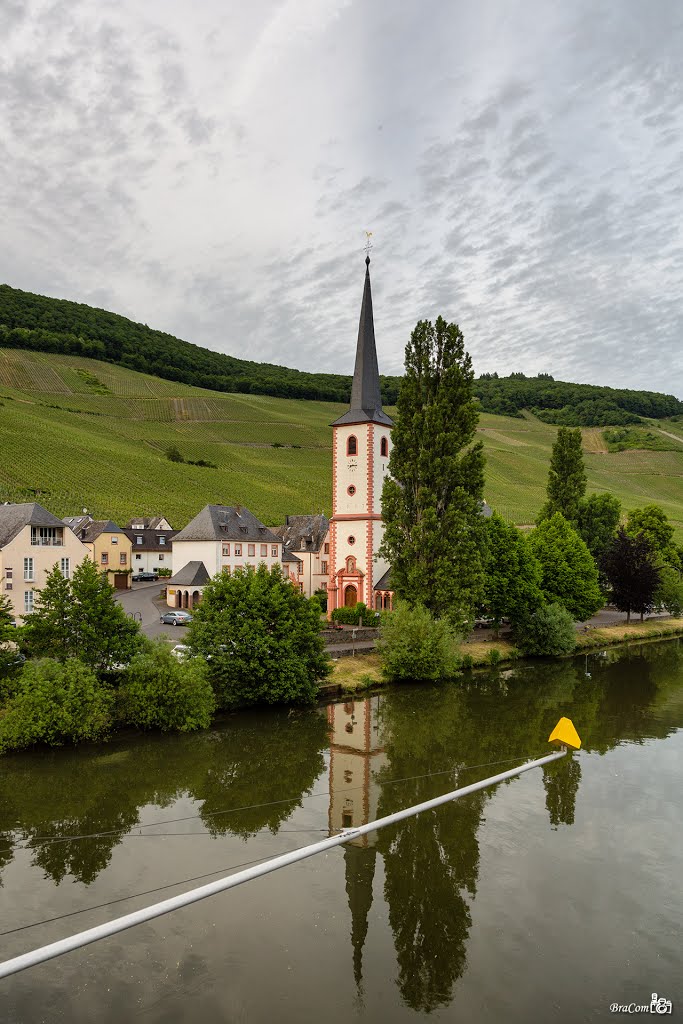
(142, 603)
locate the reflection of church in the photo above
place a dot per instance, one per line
(356, 759)
(361, 443)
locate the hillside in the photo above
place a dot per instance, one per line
(76, 433)
(41, 324)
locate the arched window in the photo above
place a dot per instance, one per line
(352, 445)
(384, 447)
(350, 564)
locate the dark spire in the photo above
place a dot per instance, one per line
(366, 399)
(359, 863)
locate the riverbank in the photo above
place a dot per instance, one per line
(354, 674)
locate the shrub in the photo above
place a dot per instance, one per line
(55, 703)
(352, 616)
(549, 631)
(164, 572)
(494, 656)
(467, 661)
(413, 645)
(262, 637)
(160, 692)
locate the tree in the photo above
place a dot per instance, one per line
(433, 530)
(549, 631)
(414, 646)
(173, 454)
(161, 692)
(598, 520)
(8, 651)
(55, 703)
(81, 618)
(631, 570)
(569, 574)
(669, 593)
(566, 477)
(652, 522)
(512, 583)
(261, 638)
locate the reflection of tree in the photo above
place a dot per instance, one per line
(253, 759)
(561, 781)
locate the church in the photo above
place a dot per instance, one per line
(361, 444)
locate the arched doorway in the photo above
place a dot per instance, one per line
(350, 596)
(179, 599)
(195, 599)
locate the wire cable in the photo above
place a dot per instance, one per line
(29, 841)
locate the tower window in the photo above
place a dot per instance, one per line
(351, 539)
(384, 447)
(352, 445)
(351, 490)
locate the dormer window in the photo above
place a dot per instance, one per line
(352, 445)
(243, 529)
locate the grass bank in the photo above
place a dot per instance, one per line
(353, 675)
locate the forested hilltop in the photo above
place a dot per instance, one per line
(42, 324)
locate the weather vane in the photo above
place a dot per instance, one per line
(368, 243)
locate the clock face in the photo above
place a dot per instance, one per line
(352, 464)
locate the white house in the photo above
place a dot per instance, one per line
(220, 538)
(32, 542)
(151, 538)
(308, 538)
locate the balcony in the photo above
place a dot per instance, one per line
(47, 542)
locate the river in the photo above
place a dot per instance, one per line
(547, 898)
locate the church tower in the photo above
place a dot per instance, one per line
(361, 443)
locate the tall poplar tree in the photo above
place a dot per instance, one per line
(566, 477)
(431, 502)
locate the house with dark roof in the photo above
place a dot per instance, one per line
(151, 538)
(221, 538)
(307, 538)
(109, 547)
(32, 542)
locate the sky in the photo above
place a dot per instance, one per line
(211, 168)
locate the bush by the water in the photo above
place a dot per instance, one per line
(549, 631)
(55, 703)
(261, 638)
(353, 616)
(413, 645)
(160, 692)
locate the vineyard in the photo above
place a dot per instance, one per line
(77, 433)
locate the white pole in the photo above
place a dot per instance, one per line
(120, 924)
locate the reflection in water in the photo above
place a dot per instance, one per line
(384, 753)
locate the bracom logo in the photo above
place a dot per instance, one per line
(658, 1004)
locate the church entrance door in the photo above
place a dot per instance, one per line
(350, 596)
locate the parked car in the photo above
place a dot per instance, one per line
(141, 577)
(176, 618)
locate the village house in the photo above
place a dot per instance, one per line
(32, 542)
(308, 538)
(109, 547)
(151, 538)
(220, 538)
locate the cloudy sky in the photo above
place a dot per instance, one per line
(210, 167)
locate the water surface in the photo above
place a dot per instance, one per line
(549, 897)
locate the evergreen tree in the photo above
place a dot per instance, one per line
(566, 477)
(630, 565)
(512, 585)
(431, 502)
(260, 637)
(569, 574)
(48, 632)
(598, 520)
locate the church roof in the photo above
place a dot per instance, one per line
(366, 399)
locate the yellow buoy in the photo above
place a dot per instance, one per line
(564, 733)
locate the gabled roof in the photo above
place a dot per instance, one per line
(366, 398)
(226, 522)
(150, 539)
(13, 519)
(385, 582)
(147, 523)
(304, 533)
(194, 574)
(88, 530)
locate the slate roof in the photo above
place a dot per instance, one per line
(13, 519)
(194, 574)
(225, 522)
(289, 556)
(150, 539)
(385, 582)
(366, 399)
(303, 533)
(88, 530)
